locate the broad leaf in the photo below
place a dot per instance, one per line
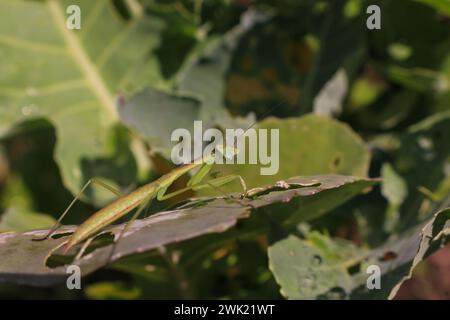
(321, 146)
(155, 115)
(319, 267)
(72, 77)
(15, 219)
(395, 190)
(314, 268)
(25, 260)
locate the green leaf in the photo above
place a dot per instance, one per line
(319, 267)
(18, 219)
(307, 198)
(71, 77)
(395, 190)
(321, 146)
(25, 260)
(314, 268)
(155, 115)
(19, 215)
(312, 197)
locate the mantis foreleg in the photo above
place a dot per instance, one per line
(213, 182)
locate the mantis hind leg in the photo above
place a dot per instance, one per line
(227, 179)
(83, 249)
(214, 183)
(75, 199)
(218, 182)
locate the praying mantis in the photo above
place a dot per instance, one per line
(141, 197)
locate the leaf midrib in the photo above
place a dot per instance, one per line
(85, 64)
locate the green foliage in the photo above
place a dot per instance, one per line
(319, 267)
(321, 145)
(350, 103)
(307, 269)
(171, 112)
(71, 78)
(27, 261)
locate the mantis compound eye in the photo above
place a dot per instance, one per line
(228, 152)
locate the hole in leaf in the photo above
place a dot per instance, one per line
(122, 9)
(316, 260)
(335, 293)
(57, 260)
(61, 235)
(215, 174)
(336, 162)
(388, 256)
(354, 269)
(278, 188)
(103, 240)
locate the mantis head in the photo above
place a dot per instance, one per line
(229, 152)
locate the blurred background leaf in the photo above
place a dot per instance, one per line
(230, 63)
(48, 67)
